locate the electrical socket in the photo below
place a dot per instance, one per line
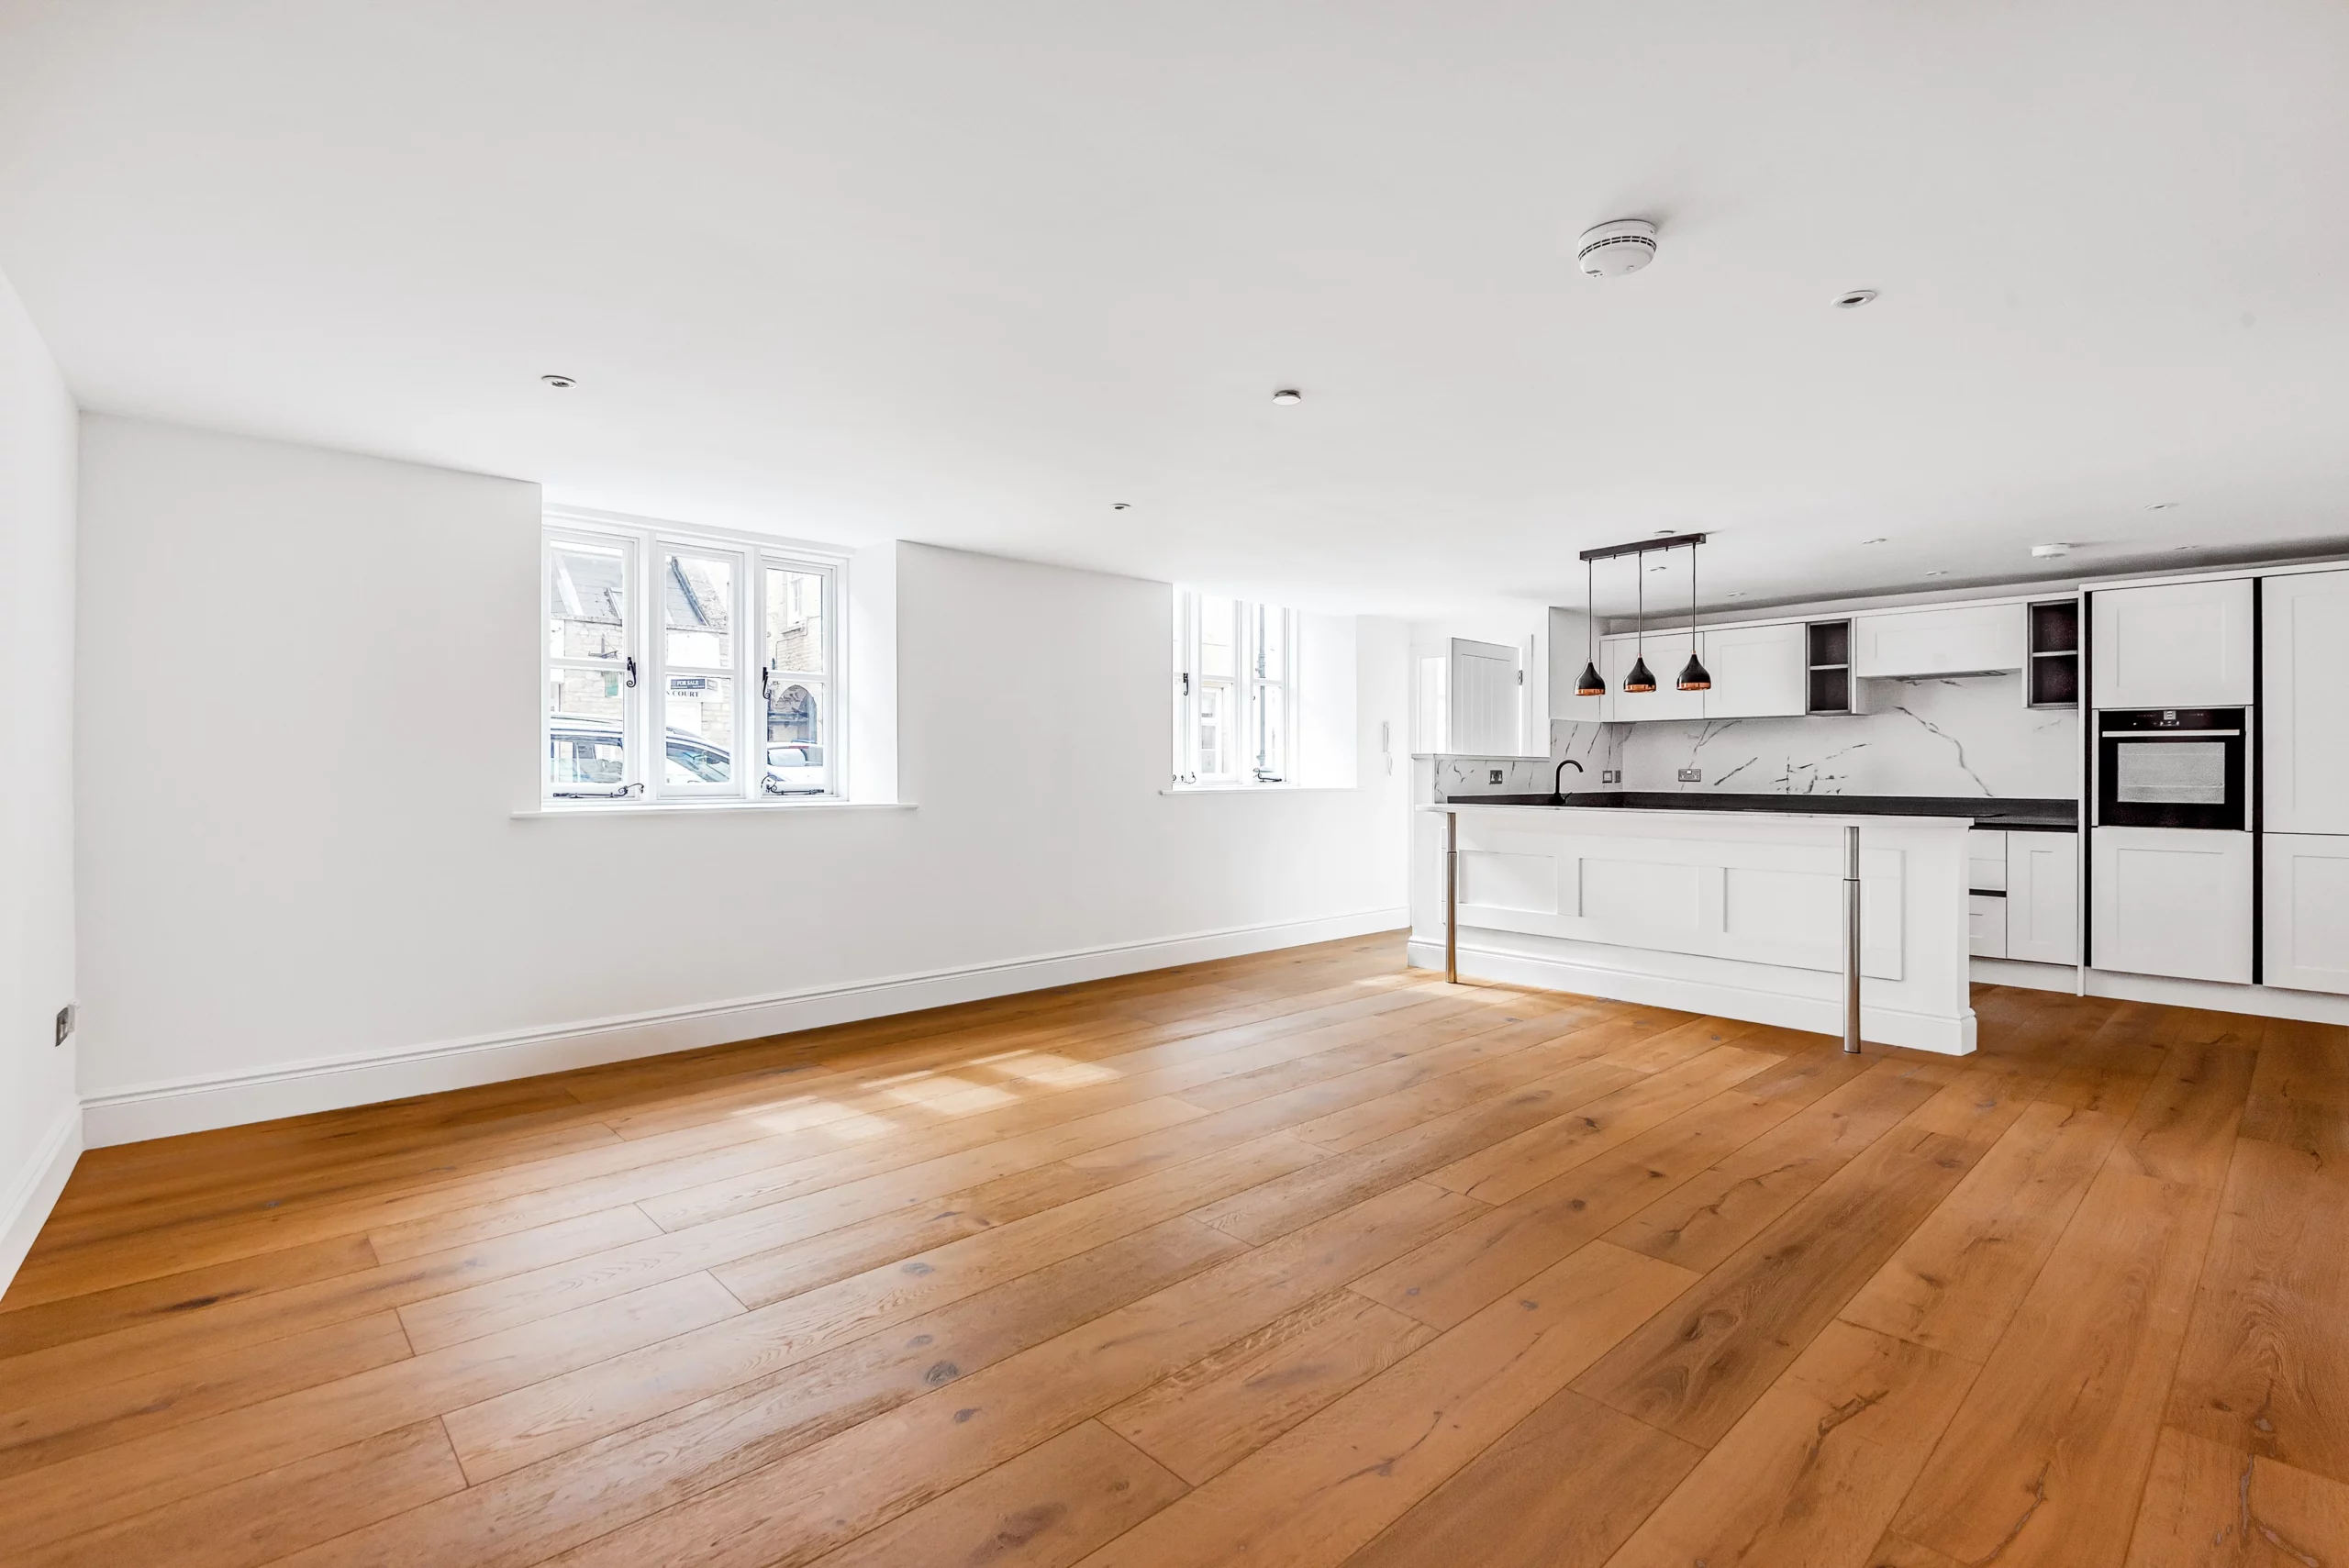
(1492, 775)
(1610, 775)
(65, 1023)
(1692, 775)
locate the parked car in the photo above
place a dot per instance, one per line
(584, 754)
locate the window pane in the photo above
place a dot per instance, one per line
(795, 740)
(583, 752)
(1218, 659)
(795, 620)
(586, 602)
(1272, 644)
(700, 724)
(698, 609)
(1214, 741)
(1271, 732)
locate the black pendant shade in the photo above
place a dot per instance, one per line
(1640, 680)
(1589, 684)
(1693, 676)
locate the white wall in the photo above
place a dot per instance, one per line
(39, 1133)
(306, 718)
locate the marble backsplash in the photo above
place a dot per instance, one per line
(1971, 737)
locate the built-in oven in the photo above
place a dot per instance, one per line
(2173, 767)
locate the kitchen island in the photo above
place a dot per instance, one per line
(1732, 907)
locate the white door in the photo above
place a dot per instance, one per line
(2043, 897)
(2304, 708)
(1952, 639)
(1759, 672)
(2169, 901)
(2182, 645)
(2307, 912)
(1665, 651)
(1485, 699)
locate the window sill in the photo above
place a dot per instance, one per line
(708, 807)
(1259, 789)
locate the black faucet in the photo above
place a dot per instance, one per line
(1558, 779)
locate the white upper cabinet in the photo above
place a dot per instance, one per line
(2172, 645)
(1486, 698)
(1665, 651)
(2304, 709)
(1759, 672)
(1951, 640)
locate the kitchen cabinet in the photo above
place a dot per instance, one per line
(1665, 651)
(1986, 925)
(1948, 639)
(1758, 672)
(2307, 912)
(2171, 645)
(1486, 699)
(2304, 704)
(2043, 897)
(2171, 901)
(1985, 861)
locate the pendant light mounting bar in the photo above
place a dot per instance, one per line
(1608, 552)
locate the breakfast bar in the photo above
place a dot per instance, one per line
(1736, 912)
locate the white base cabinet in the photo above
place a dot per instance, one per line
(2168, 901)
(2043, 897)
(2307, 912)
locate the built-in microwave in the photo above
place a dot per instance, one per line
(2173, 767)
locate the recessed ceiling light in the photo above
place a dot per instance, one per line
(1937, 572)
(1851, 299)
(1286, 395)
(558, 380)
(2186, 546)
(2161, 506)
(1878, 539)
(1739, 595)
(1121, 506)
(2051, 550)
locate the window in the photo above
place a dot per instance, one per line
(1235, 710)
(725, 647)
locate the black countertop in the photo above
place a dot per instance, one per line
(2017, 816)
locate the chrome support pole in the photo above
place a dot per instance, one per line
(1452, 897)
(1851, 940)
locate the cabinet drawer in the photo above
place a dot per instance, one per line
(1986, 925)
(1985, 861)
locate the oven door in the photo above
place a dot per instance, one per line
(2153, 771)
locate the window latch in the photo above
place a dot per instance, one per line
(631, 674)
(1186, 683)
(766, 681)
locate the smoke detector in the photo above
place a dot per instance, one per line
(1614, 249)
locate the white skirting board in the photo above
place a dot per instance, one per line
(2017, 972)
(32, 1190)
(1878, 1025)
(194, 1104)
(2259, 1001)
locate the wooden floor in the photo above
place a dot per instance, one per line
(1297, 1259)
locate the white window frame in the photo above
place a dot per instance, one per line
(646, 545)
(1248, 687)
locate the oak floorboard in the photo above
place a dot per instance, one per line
(1164, 1268)
(1562, 1488)
(1320, 1492)
(1221, 1408)
(2210, 1505)
(1811, 1476)
(1044, 1509)
(2265, 1367)
(2045, 1462)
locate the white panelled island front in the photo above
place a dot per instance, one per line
(1734, 913)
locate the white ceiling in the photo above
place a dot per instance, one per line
(970, 273)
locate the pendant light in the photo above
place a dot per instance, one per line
(1589, 686)
(1693, 676)
(1640, 680)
